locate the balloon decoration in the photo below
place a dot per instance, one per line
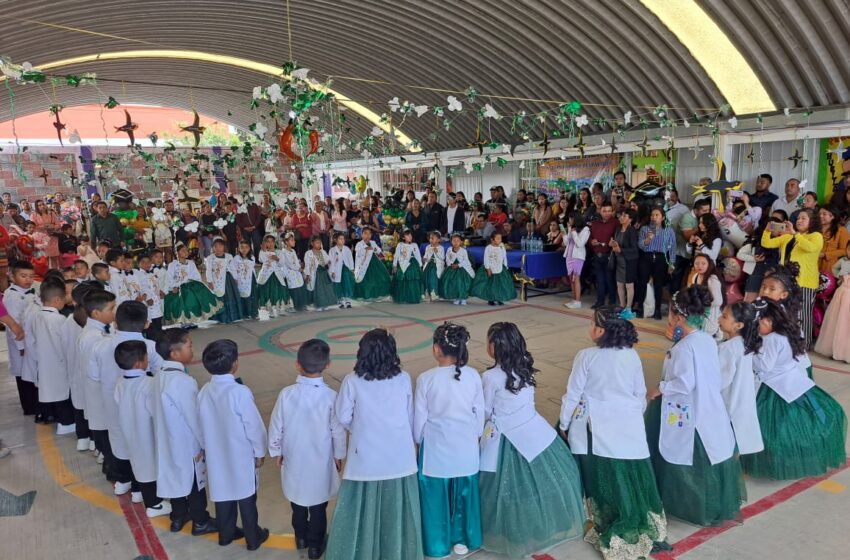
(288, 135)
(361, 184)
(25, 245)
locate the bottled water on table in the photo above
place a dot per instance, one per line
(523, 244)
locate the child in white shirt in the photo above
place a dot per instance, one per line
(20, 301)
(342, 271)
(54, 374)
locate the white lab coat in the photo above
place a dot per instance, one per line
(495, 258)
(448, 420)
(118, 286)
(134, 396)
(150, 290)
(180, 273)
(777, 368)
(19, 303)
(404, 253)
(461, 258)
(70, 334)
(216, 272)
(339, 258)
(379, 416)
(178, 430)
(160, 272)
(515, 417)
(134, 280)
(738, 388)
(29, 370)
(362, 258)
(110, 373)
(290, 265)
(242, 270)
(312, 262)
(235, 436)
(607, 391)
(437, 255)
(93, 334)
(691, 403)
(54, 375)
(270, 266)
(303, 429)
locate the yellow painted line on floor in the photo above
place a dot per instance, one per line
(831, 486)
(72, 484)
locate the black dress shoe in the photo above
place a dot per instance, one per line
(500, 303)
(237, 534)
(300, 544)
(657, 315)
(491, 303)
(178, 524)
(264, 536)
(639, 313)
(314, 552)
(204, 528)
(596, 305)
(39, 419)
(49, 420)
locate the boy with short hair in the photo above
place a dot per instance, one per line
(151, 292)
(81, 270)
(54, 376)
(100, 272)
(235, 439)
(309, 444)
(117, 280)
(131, 318)
(71, 330)
(102, 248)
(20, 301)
(179, 440)
(133, 394)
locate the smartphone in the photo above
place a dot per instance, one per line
(562, 228)
(776, 227)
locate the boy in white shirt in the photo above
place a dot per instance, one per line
(19, 299)
(133, 393)
(309, 444)
(54, 375)
(152, 295)
(235, 439)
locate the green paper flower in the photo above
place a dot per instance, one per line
(111, 103)
(501, 162)
(471, 94)
(54, 109)
(572, 108)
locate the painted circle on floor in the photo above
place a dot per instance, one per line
(346, 330)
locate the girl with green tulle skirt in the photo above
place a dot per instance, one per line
(316, 276)
(272, 294)
(803, 427)
(292, 269)
(435, 264)
(529, 482)
(602, 415)
(372, 280)
(189, 300)
(342, 271)
(457, 278)
(494, 282)
(377, 514)
(243, 268)
(407, 270)
(223, 283)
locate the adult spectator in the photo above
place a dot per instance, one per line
(521, 202)
(835, 238)
(790, 203)
(688, 226)
(707, 239)
(417, 222)
(763, 198)
(183, 236)
(436, 213)
(584, 204)
(409, 197)
(7, 199)
(12, 220)
(462, 202)
(601, 232)
(674, 209)
(230, 230)
(321, 223)
(301, 225)
(339, 217)
(26, 210)
(250, 221)
(454, 218)
(657, 243)
(105, 226)
(207, 229)
(841, 188)
(620, 186)
(542, 215)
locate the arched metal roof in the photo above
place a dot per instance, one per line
(615, 53)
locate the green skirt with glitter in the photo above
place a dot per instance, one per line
(498, 287)
(272, 293)
(193, 303)
(345, 287)
(231, 310)
(455, 284)
(323, 294)
(430, 280)
(376, 282)
(407, 285)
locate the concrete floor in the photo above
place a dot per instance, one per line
(75, 514)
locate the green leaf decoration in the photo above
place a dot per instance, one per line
(501, 162)
(573, 107)
(54, 109)
(111, 103)
(471, 94)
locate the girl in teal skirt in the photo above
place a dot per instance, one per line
(602, 415)
(189, 300)
(316, 275)
(530, 484)
(804, 429)
(377, 514)
(448, 420)
(243, 268)
(271, 281)
(494, 281)
(292, 268)
(435, 263)
(780, 286)
(372, 280)
(457, 278)
(342, 271)
(222, 283)
(407, 270)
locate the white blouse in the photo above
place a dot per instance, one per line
(606, 393)
(738, 388)
(312, 262)
(270, 266)
(379, 417)
(436, 255)
(290, 264)
(181, 273)
(339, 258)
(243, 271)
(777, 368)
(216, 272)
(448, 420)
(461, 258)
(363, 258)
(404, 253)
(495, 258)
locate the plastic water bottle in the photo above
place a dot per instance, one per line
(523, 244)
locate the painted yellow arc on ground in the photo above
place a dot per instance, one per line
(715, 52)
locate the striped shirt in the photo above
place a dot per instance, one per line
(663, 242)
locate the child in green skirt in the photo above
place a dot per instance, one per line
(407, 276)
(290, 264)
(435, 263)
(222, 283)
(342, 271)
(243, 269)
(372, 281)
(780, 285)
(271, 281)
(189, 300)
(457, 279)
(494, 281)
(316, 275)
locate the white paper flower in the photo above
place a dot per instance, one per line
(468, 166)
(490, 112)
(420, 110)
(74, 138)
(581, 121)
(377, 131)
(258, 92)
(733, 122)
(522, 164)
(300, 74)
(274, 93)
(787, 111)
(220, 223)
(454, 103)
(269, 177)
(686, 123)
(804, 186)
(260, 129)
(120, 184)
(393, 104)
(10, 70)
(365, 154)
(627, 117)
(242, 209)
(192, 228)
(506, 148)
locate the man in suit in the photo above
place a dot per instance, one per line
(453, 218)
(436, 213)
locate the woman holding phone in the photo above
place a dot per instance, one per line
(657, 245)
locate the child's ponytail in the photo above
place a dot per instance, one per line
(451, 339)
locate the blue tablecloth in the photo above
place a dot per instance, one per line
(537, 265)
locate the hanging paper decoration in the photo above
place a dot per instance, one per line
(580, 145)
(44, 175)
(796, 158)
(128, 127)
(58, 124)
(195, 129)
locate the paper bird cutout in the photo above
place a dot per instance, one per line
(751, 156)
(44, 175)
(59, 126)
(479, 143)
(643, 145)
(128, 127)
(719, 187)
(613, 143)
(580, 145)
(195, 128)
(796, 158)
(545, 143)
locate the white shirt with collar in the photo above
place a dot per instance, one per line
(404, 254)
(70, 334)
(776, 367)
(339, 258)
(450, 218)
(54, 375)
(782, 203)
(437, 255)
(19, 302)
(235, 437)
(448, 420)
(93, 334)
(303, 429)
(118, 286)
(738, 387)
(178, 429)
(134, 396)
(378, 414)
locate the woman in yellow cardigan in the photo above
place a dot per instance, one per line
(801, 244)
(835, 238)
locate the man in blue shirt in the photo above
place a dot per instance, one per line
(763, 198)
